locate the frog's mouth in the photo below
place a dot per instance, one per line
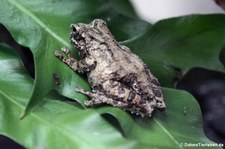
(76, 36)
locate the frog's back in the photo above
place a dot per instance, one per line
(119, 64)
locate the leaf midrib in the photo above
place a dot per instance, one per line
(57, 37)
(39, 22)
(168, 133)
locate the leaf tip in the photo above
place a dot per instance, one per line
(22, 115)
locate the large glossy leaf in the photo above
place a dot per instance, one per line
(172, 47)
(55, 124)
(43, 26)
(181, 123)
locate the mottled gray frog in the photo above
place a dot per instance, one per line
(117, 76)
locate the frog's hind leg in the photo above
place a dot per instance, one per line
(68, 60)
(99, 98)
(135, 103)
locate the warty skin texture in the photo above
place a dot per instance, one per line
(117, 76)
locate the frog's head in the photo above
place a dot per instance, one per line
(88, 36)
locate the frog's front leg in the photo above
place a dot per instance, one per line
(68, 60)
(99, 98)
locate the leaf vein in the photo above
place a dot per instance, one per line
(38, 21)
(168, 133)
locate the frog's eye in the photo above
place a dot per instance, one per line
(95, 23)
(98, 23)
(74, 28)
(103, 23)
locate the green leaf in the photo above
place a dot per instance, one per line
(54, 124)
(43, 26)
(124, 7)
(180, 124)
(180, 44)
(222, 56)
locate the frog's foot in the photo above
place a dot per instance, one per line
(68, 60)
(160, 104)
(99, 98)
(66, 51)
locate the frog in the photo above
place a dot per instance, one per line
(117, 76)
